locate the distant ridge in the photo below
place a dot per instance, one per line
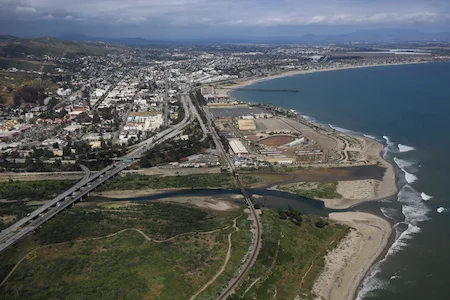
(17, 47)
(123, 41)
(379, 35)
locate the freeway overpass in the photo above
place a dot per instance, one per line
(89, 182)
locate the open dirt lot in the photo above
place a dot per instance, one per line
(271, 124)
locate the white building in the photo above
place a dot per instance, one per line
(237, 147)
(150, 120)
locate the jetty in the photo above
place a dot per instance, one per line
(264, 90)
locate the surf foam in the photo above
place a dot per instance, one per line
(370, 137)
(389, 213)
(414, 209)
(441, 210)
(405, 148)
(425, 197)
(403, 164)
(391, 146)
(371, 283)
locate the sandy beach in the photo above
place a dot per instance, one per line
(359, 191)
(355, 192)
(204, 202)
(347, 264)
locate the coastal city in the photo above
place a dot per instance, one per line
(89, 130)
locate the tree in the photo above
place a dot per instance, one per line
(30, 165)
(16, 100)
(55, 145)
(321, 223)
(62, 113)
(282, 214)
(58, 164)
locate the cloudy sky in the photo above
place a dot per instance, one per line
(172, 19)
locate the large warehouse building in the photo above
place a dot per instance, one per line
(237, 147)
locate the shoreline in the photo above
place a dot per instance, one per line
(247, 82)
(354, 277)
(379, 189)
(347, 265)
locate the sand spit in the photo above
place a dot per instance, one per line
(347, 264)
(204, 202)
(358, 191)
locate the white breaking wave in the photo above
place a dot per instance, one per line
(370, 137)
(391, 146)
(441, 210)
(403, 239)
(389, 213)
(414, 209)
(403, 164)
(371, 282)
(425, 197)
(405, 148)
(395, 276)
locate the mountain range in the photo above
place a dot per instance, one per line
(385, 35)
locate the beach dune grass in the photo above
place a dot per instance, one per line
(323, 190)
(291, 257)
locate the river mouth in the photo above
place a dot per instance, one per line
(267, 198)
(262, 193)
(270, 179)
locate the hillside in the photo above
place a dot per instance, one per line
(15, 47)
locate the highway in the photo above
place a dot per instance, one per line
(254, 250)
(195, 113)
(89, 182)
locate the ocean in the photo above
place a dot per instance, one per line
(406, 107)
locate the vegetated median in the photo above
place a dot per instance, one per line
(291, 257)
(119, 251)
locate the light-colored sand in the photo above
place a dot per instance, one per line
(200, 201)
(358, 191)
(123, 194)
(204, 202)
(347, 264)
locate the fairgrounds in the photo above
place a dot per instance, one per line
(277, 140)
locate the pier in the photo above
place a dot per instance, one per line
(266, 90)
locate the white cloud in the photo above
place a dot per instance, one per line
(25, 10)
(266, 13)
(48, 17)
